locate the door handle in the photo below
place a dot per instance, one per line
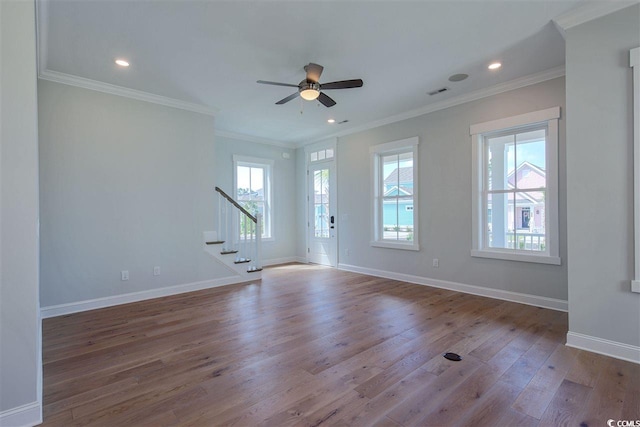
(333, 221)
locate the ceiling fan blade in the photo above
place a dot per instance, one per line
(325, 100)
(344, 84)
(287, 99)
(264, 82)
(313, 71)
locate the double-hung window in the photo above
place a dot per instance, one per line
(395, 194)
(515, 188)
(253, 188)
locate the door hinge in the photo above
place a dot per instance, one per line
(307, 172)
(308, 250)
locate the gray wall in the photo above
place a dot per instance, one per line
(445, 197)
(600, 177)
(284, 190)
(125, 185)
(20, 341)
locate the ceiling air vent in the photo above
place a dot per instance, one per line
(438, 91)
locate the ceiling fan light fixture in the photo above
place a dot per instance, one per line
(309, 94)
(309, 90)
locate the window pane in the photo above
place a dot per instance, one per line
(391, 172)
(390, 227)
(405, 218)
(500, 164)
(246, 225)
(321, 154)
(530, 155)
(244, 182)
(530, 221)
(314, 156)
(500, 233)
(321, 202)
(257, 183)
(329, 153)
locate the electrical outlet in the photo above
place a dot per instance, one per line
(156, 270)
(124, 275)
(436, 263)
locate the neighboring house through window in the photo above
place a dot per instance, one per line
(515, 188)
(253, 184)
(395, 194)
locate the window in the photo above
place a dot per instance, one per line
(395, 194)
(252, 182)
(515, 188)
(324, 154)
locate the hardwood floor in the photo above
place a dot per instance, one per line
(315, 346)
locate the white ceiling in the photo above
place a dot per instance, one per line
(212, 52)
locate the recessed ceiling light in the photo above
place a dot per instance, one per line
(331, 121)
(495, 66)
(122, 62)
(458, 77)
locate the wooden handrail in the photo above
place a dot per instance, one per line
(237, 205)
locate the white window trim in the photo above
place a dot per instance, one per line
(634, 63)
(261, 163)
(550, 117)
(376, 151)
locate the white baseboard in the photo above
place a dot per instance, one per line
(25, 415)
(615, 349)
(286, 260)
(92, 304)
(535, 300)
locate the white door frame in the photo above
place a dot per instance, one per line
(333, 202)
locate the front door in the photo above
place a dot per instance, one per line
(322, 221)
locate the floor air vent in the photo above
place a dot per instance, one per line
(453, 356)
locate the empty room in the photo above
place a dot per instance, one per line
(319, 213)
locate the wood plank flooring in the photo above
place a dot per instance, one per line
(314, 346)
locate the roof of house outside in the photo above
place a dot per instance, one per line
(399, 175)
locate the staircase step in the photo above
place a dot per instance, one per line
(216, 242)
(241, 261)
(255, 270)
(228, 252)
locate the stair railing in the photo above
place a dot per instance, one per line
(239, 232)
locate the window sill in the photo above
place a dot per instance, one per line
(511, 256)
(393, 245)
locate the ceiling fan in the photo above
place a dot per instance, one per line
(310, 88)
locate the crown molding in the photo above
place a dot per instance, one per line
(521, 82)
(71, 80)
(257, 140)
(590, 11)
